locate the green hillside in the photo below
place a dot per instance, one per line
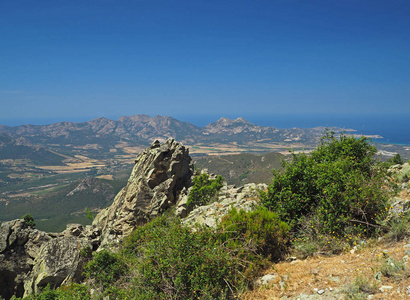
(54, 208)
(239, 169)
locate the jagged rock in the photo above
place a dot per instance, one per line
(30, 258)
(19, 245)
(245, 197)
(160, 173)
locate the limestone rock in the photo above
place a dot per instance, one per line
(160, 173)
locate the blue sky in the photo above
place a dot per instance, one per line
(77, 60)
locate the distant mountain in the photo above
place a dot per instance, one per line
(143, 130)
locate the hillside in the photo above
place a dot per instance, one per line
(239, 169)
(56, 205)
(335, 201)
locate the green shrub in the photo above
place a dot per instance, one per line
(397, 227)
(340, 184)
(396, 160)
(175, 263)
(263, 227)
(390, 267)
(309, 240)
(105, 268)
(69, 292)
(29, 220)
(204, 190)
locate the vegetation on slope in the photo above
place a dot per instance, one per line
(61, 205)
(333, 198)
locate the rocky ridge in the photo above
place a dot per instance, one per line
(141, 129)
(161, 178)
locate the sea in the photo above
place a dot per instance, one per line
(394, 128)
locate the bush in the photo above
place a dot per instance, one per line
(262, 227)
(390, 267)
(176, 263)
(69, 292)
(360, 288)
(204, 190)
(105, 268)
(339, 184)
(396, 160)
(29, 220)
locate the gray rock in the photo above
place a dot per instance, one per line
(30, 258)
(160, 173)
(246, 198)
(265, 280)
(19, 245)
(384, 288)
(58, 261)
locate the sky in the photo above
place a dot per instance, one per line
(77, 60)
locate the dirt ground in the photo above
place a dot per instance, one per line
(328, 277)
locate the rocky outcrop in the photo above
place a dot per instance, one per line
(245, 197)
(160, 173)
(30, 259)
(19, 246)
(162, 176)
(59, 260)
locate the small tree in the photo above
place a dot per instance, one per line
(204, 190)
(396, 160)
(29, 220)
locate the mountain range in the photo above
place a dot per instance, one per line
(142, 130)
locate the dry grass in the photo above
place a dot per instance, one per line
(334, 274)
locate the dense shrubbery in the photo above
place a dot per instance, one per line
(176, 263)
(262, 227)
(339, 184)
(204, 190)
(69, 292)
(167, 260)
(105, 268)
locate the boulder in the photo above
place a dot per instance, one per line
(30, 258)
(57, 262)
(19, 245)
(160, 173)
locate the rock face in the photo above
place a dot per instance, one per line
(30, 259)
(160, 173)
(19, 245)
